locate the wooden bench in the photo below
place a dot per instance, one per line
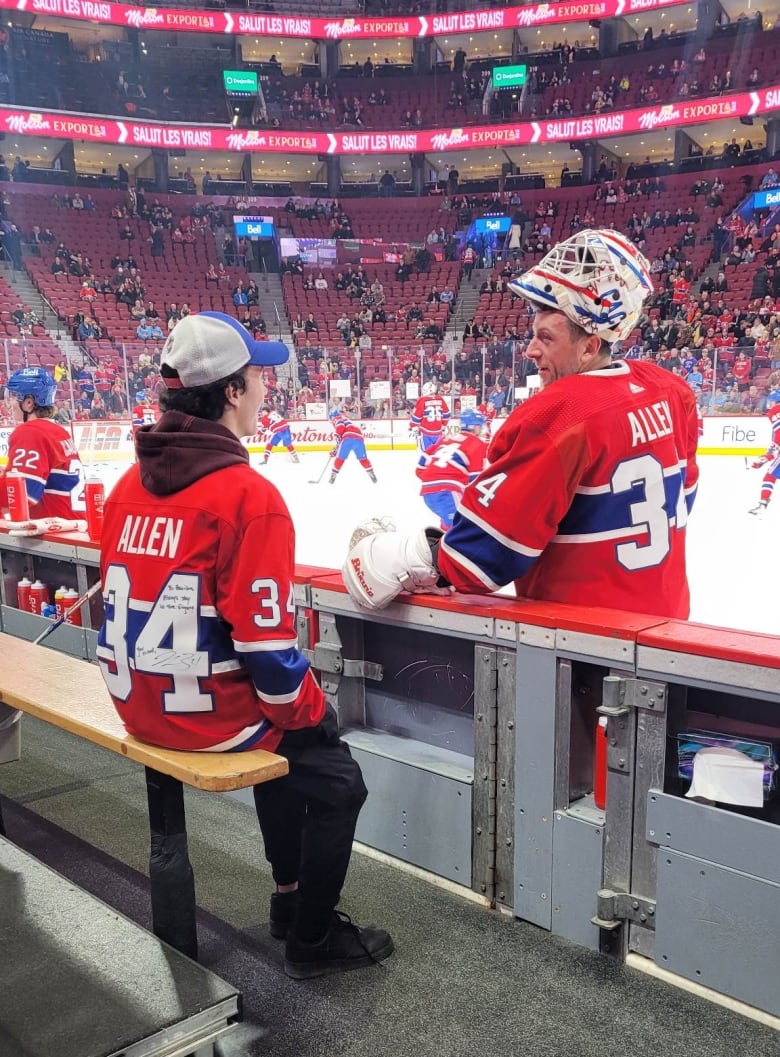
(70, 694)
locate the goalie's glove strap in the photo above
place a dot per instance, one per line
(434, 541)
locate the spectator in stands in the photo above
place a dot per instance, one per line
(87, 329)
(96, 408)
(151, 331)
(469, 261)
(117, 402)
(769, 180)
(761, 283)
(387, 184)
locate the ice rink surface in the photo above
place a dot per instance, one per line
(733, 567)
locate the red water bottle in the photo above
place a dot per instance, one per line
(71, 596)
(94, 498)
(39, 597)
(18, 500)
(23, 594)
(600, 765)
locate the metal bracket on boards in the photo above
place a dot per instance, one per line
(619, 696)
(328, 659)
(615, 908)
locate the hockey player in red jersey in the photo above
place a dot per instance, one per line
(770, 459)
(429, 416)
(447, 467)
(42, 451)
(350, 441)
(589, 485)
(199, 647)
(143, 412)
(277, 432)
(489, 411)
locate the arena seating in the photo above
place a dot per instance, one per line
(182, 90)
(179, 276)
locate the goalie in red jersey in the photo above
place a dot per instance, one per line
(589, 485)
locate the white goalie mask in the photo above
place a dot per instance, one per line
(598, 279)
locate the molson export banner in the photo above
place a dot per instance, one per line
(272, 25)
(60, 125)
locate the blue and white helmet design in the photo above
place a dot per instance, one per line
(471, 419)
(598, 279)
(35, 382)
(335, 413)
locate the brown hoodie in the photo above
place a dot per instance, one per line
(181, 449)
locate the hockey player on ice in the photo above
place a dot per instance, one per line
(429, 416)
(770, 459)
(349, 441)
(447, 467)
(277, 433)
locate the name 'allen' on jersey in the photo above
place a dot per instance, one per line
(586, 496)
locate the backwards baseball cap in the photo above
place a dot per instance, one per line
(206, 346)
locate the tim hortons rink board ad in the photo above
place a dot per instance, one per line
(106, 440)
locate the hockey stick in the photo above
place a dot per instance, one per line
(322, 474)
(71, 609)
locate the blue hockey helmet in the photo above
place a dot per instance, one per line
(471, 419)
(35, 382)
(335, 413)
(141, 395)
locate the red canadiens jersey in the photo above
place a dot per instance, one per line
(451, 464)
(143, 415)
(586, 495)
(45, 455)
(774, 419)
(199, 647)
(773, 414)
(274, 424)
(431, 415)
(346, 429)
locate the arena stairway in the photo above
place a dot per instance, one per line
(467, 301)
(464, 981)
(275, 315)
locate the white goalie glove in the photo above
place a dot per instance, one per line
(381, 563)
(39, 526)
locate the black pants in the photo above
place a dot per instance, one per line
(308, 818)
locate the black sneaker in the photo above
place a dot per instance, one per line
(283, 906)
(344, 947)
